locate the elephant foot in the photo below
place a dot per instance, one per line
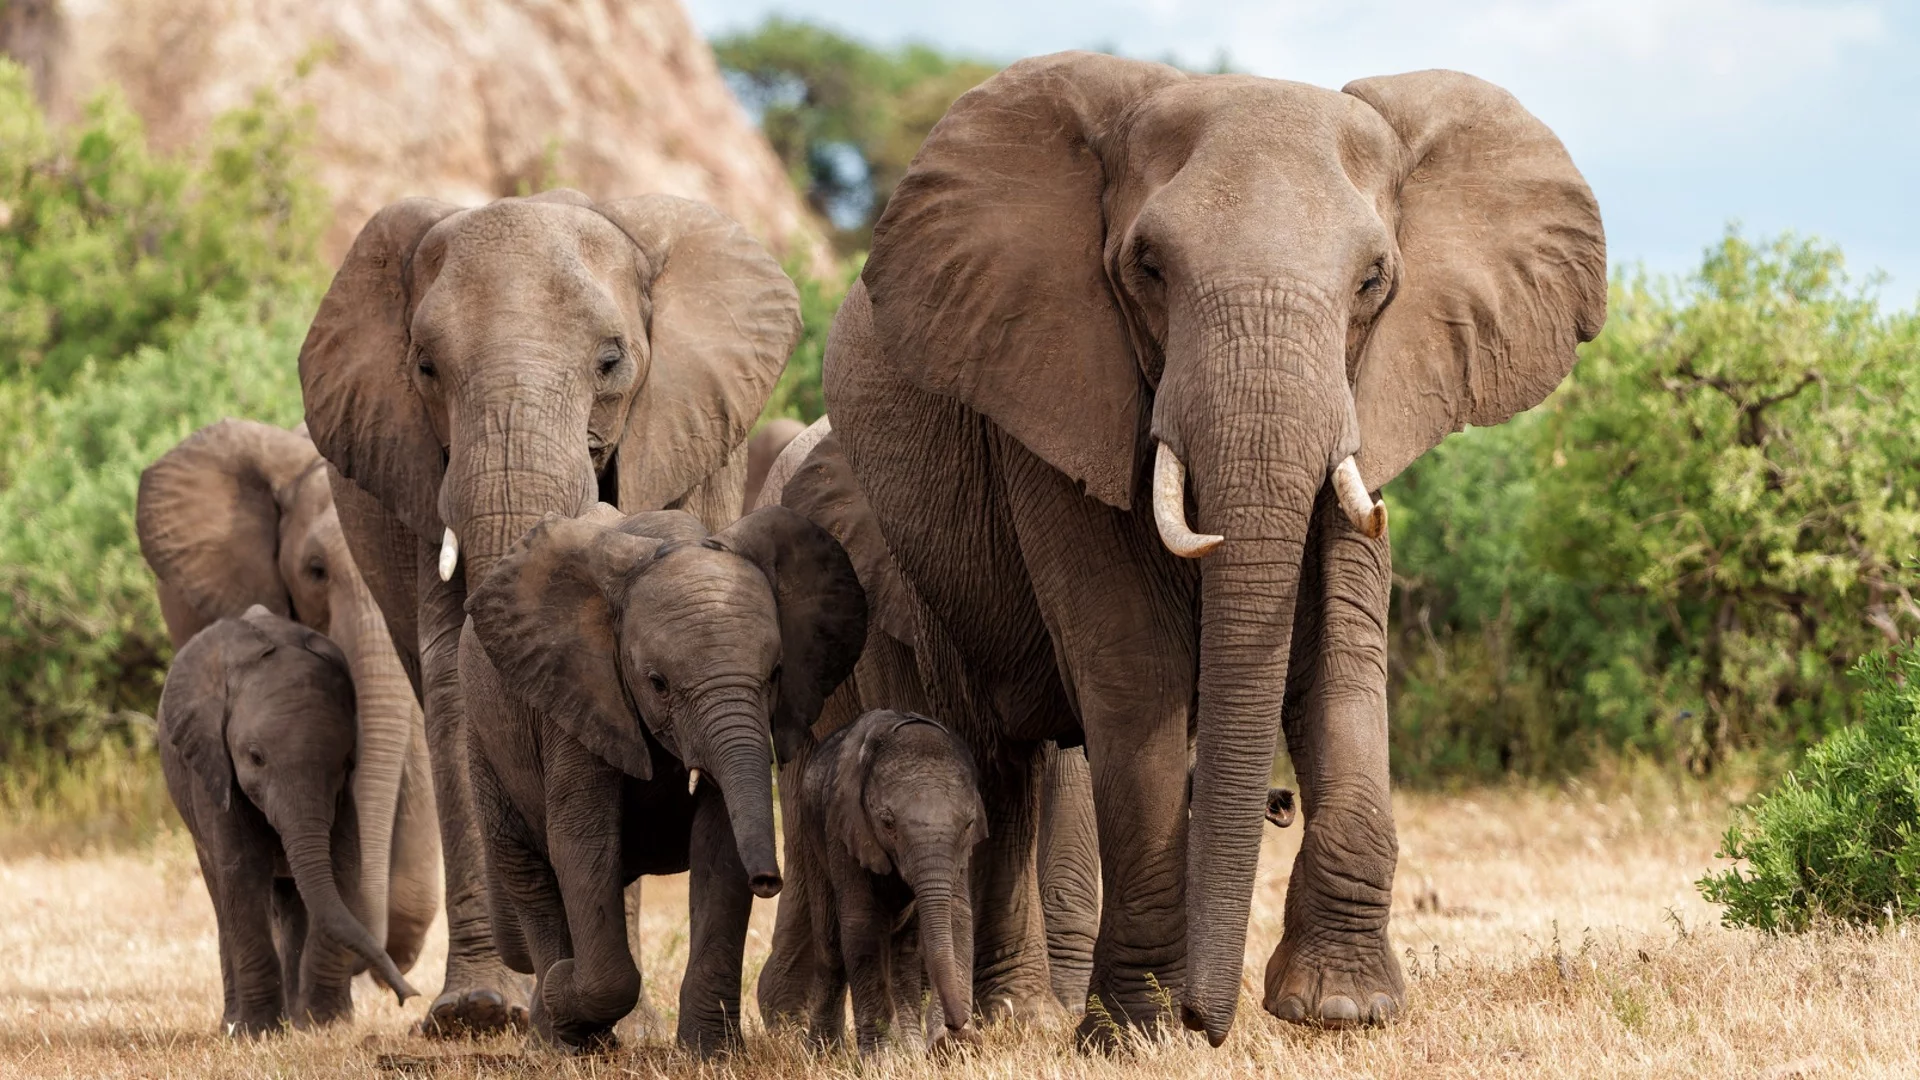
(949, 1043)
(1336, 984)
(465, 1014)
(1110, 1014)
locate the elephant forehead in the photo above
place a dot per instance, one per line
(701, 591)
(565, 263)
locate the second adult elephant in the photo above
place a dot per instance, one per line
(1097, 275)
(472, 370)
(240, 513)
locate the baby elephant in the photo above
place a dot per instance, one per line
(892, 806)
(256, 742)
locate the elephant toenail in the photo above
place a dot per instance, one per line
(1339, 1009)
(1382, 1010)
(1291, 1009)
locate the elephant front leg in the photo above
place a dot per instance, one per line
(1334, 964)
(480, 994)
(1010, 953)
(583, 995)
(719, 903)
(644, 1023)
(864, 941)
(786, 986)
(241, 886)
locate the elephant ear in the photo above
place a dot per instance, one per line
(724, 318)
(846, 805)
(362, 408)
(823, 490)
(547, 616)
(987, 275)
(208, 515)
(823, 614)
(194, 702)
(1503, 268)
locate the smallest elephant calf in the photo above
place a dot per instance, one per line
(256, 742)
(891, 808)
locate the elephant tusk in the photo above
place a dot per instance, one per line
(449, 555)
(1170, 508)
(1368, 516)
(693, 781)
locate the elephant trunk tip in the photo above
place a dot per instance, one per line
(1367, 515)
(1170, 508)
(1193, 1020)
(765, 884)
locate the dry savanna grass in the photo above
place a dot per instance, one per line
(1545, 934)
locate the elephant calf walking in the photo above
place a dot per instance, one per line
(256, 741)
(633, 673)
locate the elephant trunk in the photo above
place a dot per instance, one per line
(387, 715)
(1262, 409)
(308, 856)
(734, 745)
(946, 931)
(512, 463)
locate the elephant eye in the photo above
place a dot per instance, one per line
(657, 681)
(1376, 277)
(610, 356)
(254, 755)
(317, 570)
(774, 676)
(424, 364)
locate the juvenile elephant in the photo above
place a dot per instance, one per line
(472, 370)
(639, 668)
(1097, 275)
(811, 476)
(891, 809)
(257, 742)
(240, 513)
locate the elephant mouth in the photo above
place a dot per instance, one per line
(1367, 514)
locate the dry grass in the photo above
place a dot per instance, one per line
(1545, 935)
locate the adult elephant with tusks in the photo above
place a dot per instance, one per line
(1131, 352)
(472, 370)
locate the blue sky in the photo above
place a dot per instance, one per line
(1683, 114)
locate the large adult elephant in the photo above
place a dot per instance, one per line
(240, 513)
(472, 370)
(1095, 264)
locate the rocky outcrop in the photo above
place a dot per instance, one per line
(463, 100)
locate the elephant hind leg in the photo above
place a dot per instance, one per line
(414, 891)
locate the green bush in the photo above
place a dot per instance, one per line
(106, 245)
(82, 645)
(1683, 550)
(798, 394)
(1839, 839)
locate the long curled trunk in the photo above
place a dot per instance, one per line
(307, 855)
(387, 714)
(936, 885)
(1266, 412)
(733, 747)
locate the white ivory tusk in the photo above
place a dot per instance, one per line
(449, 555)
(693, 781)
(1368, 516)
(1170, 508)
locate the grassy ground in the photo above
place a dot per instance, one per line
(1544, 935)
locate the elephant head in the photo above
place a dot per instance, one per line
(711, 644)
(241, 513)
(265, 706)
(1260, 285)
(905, 800)
(476, 369)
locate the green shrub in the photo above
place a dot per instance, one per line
(82, 645)
(1682, 551)
(106, 245)
(1839, 839)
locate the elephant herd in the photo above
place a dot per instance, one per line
(523, 613)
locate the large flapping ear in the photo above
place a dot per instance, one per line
(195, 704)
(846, 804)
(1503, 268)
(823, 614)
(208, 515)
(823, 490)
(987, 276)
(548, 616)
(724, 318)
(355, 369)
